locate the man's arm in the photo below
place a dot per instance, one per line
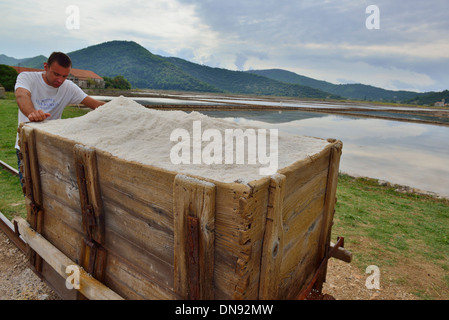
(92, 103)
(23, 98)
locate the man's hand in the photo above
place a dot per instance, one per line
(23, 97)
(38, 115)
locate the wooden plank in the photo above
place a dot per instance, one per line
(302, 171)
(300, 182)
(146, 262)
(136, 184)
(56, 156)
(64, 192)
(90, 196)
(309, 206)
(63, 236)
(240, 223)
(35, 213)
(131, 283)
(253, 211)
(273, 241)
(305, 196)
(57, 283)
(329, 207)
(31, 172)
(89, 287)
(196, 199)
(193, 270)
(142, 233)
(301, 263)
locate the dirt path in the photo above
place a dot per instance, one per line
(346, 282)
(18, 282)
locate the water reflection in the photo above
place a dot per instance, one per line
(411, 154)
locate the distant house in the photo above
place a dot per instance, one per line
(86, 79)
(441, 103)
(83, 78)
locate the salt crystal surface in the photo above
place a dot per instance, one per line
(133, 132)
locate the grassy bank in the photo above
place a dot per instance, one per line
(405, 235)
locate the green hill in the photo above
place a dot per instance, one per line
(34, 62)
(139, 66)
(246, 83)
(148, 71)
(348, 91)
(431, 98)
(9, 61)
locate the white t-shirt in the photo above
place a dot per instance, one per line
(47, 98)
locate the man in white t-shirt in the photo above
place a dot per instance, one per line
(44, 95)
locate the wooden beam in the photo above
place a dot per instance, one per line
(88, 286)
(89, 189)
(8, 168)
(341, 253)
(329, 206)
(194, 228)
(273, 240)
(33, 190)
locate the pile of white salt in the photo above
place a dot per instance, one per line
(189, 143)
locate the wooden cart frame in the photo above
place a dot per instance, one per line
(141, 232)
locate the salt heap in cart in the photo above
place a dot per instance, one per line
(172, 205)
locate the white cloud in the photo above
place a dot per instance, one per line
(320, 39)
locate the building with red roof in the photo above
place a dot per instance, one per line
(83, 78)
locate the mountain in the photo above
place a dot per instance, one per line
(246, 83)
(34, 62)
(149, 71)
(139, 66)
(431, 98)
(9, 61)
(146, 70)
(347, 91)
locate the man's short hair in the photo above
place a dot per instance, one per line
(61, 58)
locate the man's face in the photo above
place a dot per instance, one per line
(55, 75)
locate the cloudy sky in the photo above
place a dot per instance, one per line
(404, 47)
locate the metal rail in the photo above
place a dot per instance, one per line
(7, 226)
(8, 168)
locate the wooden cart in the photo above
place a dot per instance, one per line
(141, 232)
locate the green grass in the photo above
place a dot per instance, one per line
(405, 235)
(397, 222)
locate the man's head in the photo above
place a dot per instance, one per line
(57, 68)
